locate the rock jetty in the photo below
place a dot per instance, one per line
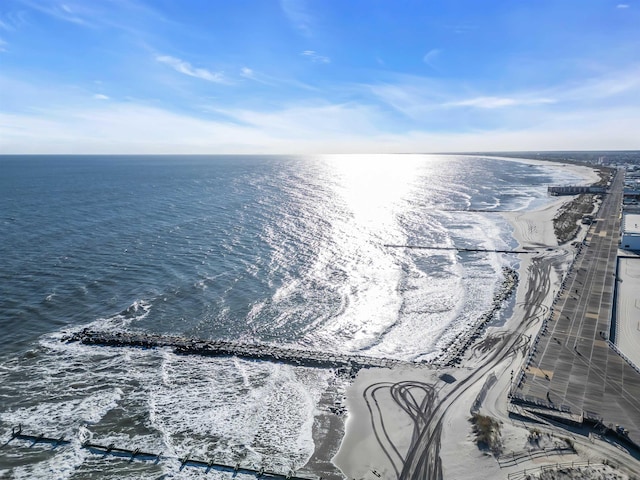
(456, 350)
(222, 348)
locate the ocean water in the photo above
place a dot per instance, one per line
(278, 249)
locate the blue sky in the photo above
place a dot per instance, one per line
(318, 76)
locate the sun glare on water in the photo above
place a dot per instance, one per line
(373, 187)
(370, 194)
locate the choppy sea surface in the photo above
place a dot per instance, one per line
(287, 250)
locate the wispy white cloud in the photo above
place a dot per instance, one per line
(310, 119)
(589, 130)
(407, 113)
(187, 69)
(275, 81)
(412, 96)
(622, 5)
(319, 128)
(298, 14)
(606, 86)
(3, 45)
(79, 14)
(13, 20)
(127, 127)
(131, 16)
(315, 57)
(250, 74)
(431, 56)
(420, 97)
(461, 29)
(498, 102)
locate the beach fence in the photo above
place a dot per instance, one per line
(524, 474)
(131, 454)
(514, 458)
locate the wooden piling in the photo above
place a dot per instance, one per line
(137, 453)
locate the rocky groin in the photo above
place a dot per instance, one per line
(223, 348)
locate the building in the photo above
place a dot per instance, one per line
(631, 197)
(576, 189)
(630, 231)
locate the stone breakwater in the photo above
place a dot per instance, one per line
(344, 363)
(454, 352)
(221, 348)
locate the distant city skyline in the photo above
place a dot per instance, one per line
(302, 76)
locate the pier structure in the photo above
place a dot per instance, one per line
(223, 348)
(459, 249)
(576, 189)
(131, 454)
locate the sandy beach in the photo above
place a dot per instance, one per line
(415, 422)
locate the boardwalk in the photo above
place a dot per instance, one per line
(574, 369)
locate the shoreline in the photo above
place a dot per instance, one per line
(361, 451)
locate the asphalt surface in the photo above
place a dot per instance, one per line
(574, 369)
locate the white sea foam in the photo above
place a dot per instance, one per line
(228, 409)
(236, 410)
(50, 416)
(135, 312)
(60, 417)
(61, 466)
